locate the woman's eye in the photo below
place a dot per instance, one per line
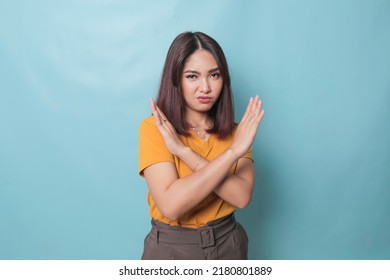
(215, 75)
(191, 76)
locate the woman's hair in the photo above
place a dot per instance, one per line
(170, 96)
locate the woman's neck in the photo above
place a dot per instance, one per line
(199, 121)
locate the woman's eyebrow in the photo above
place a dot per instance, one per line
(191, 71)
(214, 69)
(196, 72)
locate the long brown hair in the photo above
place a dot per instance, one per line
(170, 97)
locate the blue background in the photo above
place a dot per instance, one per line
(75, 79)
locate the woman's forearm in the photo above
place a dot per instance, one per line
(185, 193)
(234, 189)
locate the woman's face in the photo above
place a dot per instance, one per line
(201, 82)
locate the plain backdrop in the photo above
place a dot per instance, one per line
(75, 80)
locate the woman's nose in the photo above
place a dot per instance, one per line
(205, 86)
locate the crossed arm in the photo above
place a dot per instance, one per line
(175, 196)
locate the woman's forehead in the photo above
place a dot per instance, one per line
(200, 61)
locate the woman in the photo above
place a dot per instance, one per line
(196, 161)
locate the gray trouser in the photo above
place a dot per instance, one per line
(223, 239)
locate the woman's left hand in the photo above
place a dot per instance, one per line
(168, 132)
(247, 128)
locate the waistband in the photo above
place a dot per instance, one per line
(205, 236)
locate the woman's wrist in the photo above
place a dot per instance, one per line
(233, 153)
(194, 160)
(183, 152)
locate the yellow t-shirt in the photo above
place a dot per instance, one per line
(152, 149)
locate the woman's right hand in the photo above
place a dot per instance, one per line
(247, 128)
(168, 132)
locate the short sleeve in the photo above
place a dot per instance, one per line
(249, 154)
(152, 148)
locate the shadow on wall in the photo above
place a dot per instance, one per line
(260, 212)
(263, 208)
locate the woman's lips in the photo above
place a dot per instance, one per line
(204, 99)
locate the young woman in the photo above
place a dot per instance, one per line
(196, 160)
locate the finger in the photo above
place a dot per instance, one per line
(253, 109)
(161, 114)
(257, 108)
(156, 114)
(260, 116)
(254, 117)
(247, 111)
(258, 119)
(165, 120)
(259, 103)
